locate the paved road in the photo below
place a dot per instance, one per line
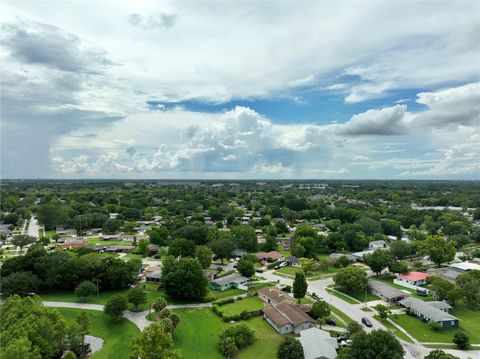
(33, 227)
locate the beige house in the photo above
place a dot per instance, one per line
(273, 296)
(287, 317)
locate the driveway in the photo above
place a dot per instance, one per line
(33, 227)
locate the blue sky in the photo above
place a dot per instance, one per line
(164, 89)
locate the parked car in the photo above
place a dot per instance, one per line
(341, 338)
(367, 322)
(330, 322)
(283, 264)
(259, 270)
(346, 343)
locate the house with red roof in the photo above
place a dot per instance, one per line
(271, 256)
(414, 278)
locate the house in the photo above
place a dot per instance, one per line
(113, 215)
(110, 237)
(238, 253)
(413, 278)
(153, 277)
(5, 229)
(120, 249)
(153, 249)
(288, 318)
(386, 292)
(229, 281)
(274, 296)
(72, 243)
(446, 273)
(209, 274)
(317, 344)
(377, 244)
(336, 256)
(465, 266)
(438, 312)
(65, 231)
(271, 256)
(293, 261)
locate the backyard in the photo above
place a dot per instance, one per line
(200, 344)
(248, 304)
(117, 335)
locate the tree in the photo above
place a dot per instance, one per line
(400, 249)
(320, 309)
(181, 247)
(461, 339)
(175, 318)
(378, 344)
(241, 334)
(83, 322)
(85, 289)
(142, 247)
(398, 267)
(354, 327)
(439, 250)
(470, 287)
(440, 354)
(22, 240)
(351, 279)
(290, 348)
(30, 330)
(383, 311)
(222, 247)
(245, 237)
(21, 283)
(298, 250)
(300, 285)
(204, 256)
(159, 304)
(137, 296)
(439, 287)
(307, 265)
(377, 261)
(155, 342)
(116, 306)
(184, 279)
(227, 346)
(246, 267)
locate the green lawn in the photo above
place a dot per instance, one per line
(117, 335)
(247, 304)
(359, 296)
(291, 271)
(97, 240)
(341, 296)
(397, 332)
(40, 233)
(200, 344)
(469, 321)
(50, 234)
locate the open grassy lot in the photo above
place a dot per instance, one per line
(291, 271)
(247, 304)
(117, 335)
(200, 344)
(50, 234)
(469, 321)
(358, 296)
(97, 240)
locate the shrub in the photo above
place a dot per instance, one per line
(436, 327)
(287, 288)
(241, 334)
(462, 340)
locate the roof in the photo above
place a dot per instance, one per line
(317, 343)
(385, 290)
(426, 309)
(156, 274)
(239, 252)
(465, 266)
(232, 278)
(293, 260)
(293, 313)
(414, 276)
(272, 254)
(274, 294)
(440, 305)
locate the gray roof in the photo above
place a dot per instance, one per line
(427, 310)
(317, 344)
(232, 278)
(293, 260)
(385, 290)
(440, 305)
(156, 274)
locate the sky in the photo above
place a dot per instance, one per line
(240, 89)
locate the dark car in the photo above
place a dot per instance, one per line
(330, 322)
(341, 338)
(367, 322)
(259, 270)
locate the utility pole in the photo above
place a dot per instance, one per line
(98, 291)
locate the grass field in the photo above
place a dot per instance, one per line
(247, 304)
(117, 335)
(397, 332)
(200, 344)
(358, 297)
(97, 240)
(469, 321)
(50, 234)
(291, 271)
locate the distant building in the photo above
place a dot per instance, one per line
(317, 344)
(414, 278)
(377, 244)
(73, 243)
(293, 261)
(465, 266)
(270, 256)
(438, 312)
(153, 277)
(274, 296)
(238, 253)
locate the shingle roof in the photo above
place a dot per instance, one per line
(415, 276)
(232, 278)
(274, 294)
(427, 310)
(317, 343)
(290, 313)
(386, 290)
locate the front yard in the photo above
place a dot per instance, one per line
(469, 321)
(117, 335)
(198, 331)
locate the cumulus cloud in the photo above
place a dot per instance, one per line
(387, 121)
